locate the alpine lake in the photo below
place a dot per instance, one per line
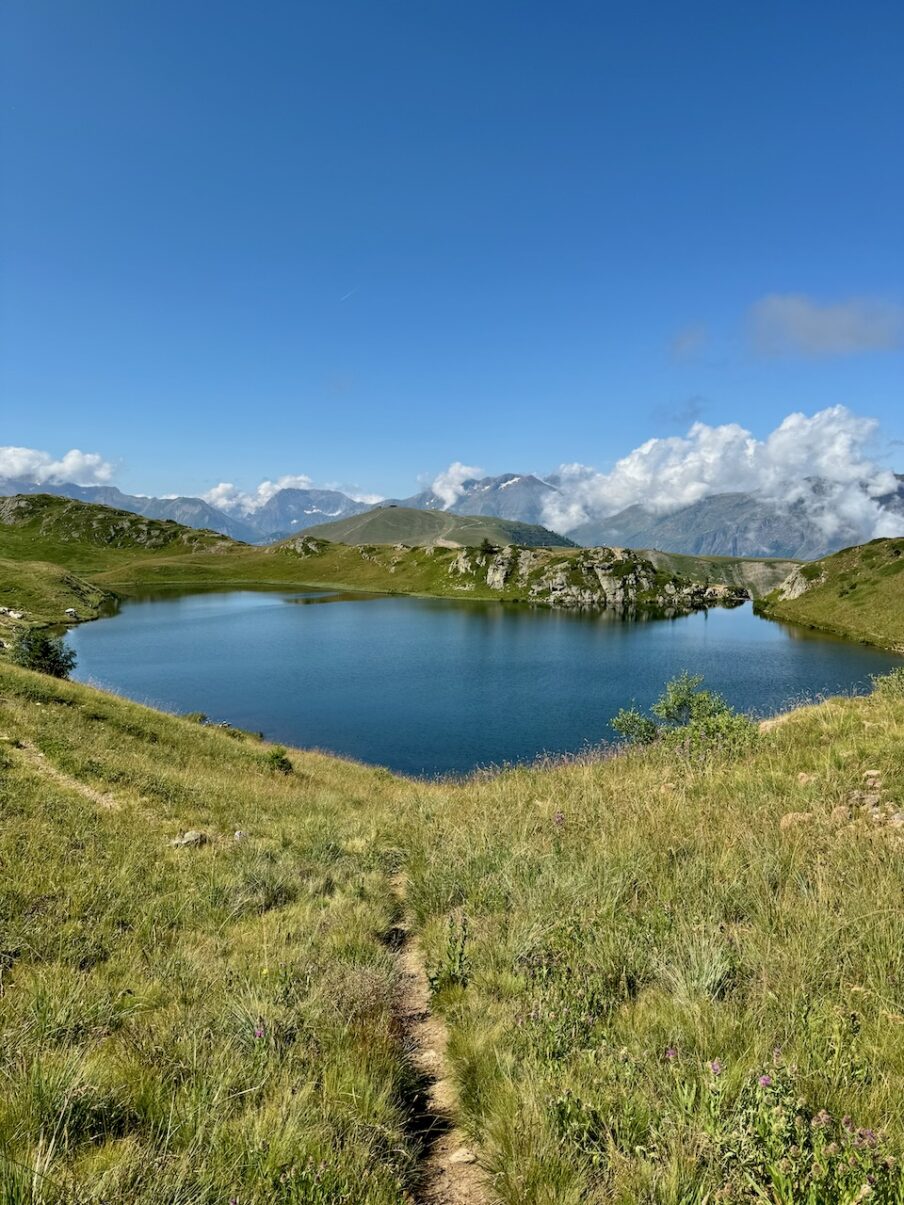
(431, 687)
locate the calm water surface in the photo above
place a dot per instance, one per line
(432, 686)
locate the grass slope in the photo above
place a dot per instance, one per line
(405, 525)
(858, 593)
(655, 980)
(88, 538)
(45, 591)
(759, 576)
(190, 1024)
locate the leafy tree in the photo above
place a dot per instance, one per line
(487, 548)
(47, 654)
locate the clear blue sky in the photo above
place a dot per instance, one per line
(358, 240)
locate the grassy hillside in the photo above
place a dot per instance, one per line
(858, 593)
(45, 591)
(666, 978)
(88, 538)
(404, 525)
(759, 576)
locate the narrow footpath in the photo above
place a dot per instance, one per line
(450, 1174)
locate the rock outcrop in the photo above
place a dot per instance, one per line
(598, 579)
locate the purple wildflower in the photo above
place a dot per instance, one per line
(715, 1067)
(822, 1119)
(258, 1031)
(866, 1138)
(558, 819)
(670, 1054)
(848, 1122)
(765, 1081)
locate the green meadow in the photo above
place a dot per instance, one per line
(675, 975)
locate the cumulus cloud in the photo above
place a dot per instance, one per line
(821, 461)
(448, 486)
(39, 468)
(793, 324)
(233, 500)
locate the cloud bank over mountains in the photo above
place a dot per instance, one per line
(823, 462)
(30, 464)
(823, 465)
(233, 501)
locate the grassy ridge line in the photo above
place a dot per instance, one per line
(191, 1024)
(406, 525)
(857, 593)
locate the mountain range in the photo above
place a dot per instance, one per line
(287, 511)
(726, 524)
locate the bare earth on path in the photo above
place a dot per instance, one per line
(450, 1172)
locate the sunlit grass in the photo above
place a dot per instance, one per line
(623, 949)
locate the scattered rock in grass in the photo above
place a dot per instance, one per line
(804, 778)
(841, 814)
(192, 837)
(794, 820)
(865, 799)
(239, 835)
(874, 774)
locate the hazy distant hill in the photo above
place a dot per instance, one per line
(191, 512)
(292, 510)
(509, 496)
(406, 525)
(288, 511)
(727, 525)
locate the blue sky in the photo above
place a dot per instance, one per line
(359, 240)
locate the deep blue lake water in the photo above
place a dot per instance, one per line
(429, 686)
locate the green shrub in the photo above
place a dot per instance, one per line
(46, 654)
(890, 685)
(694, 722)
(276, 760)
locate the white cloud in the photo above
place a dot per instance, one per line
(228, 497)
(448, 486)
(29, 464)
(793, 324)
(357, 496)
(821, 461)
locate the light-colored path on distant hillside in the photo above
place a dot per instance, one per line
(449, 1174)
(38, 761)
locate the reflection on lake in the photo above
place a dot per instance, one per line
(429, 686)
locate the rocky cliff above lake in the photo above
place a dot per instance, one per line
(594, 579)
